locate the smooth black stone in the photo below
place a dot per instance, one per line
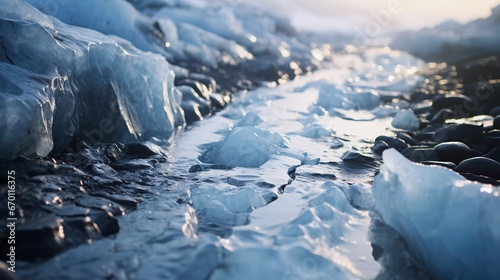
(465, 133)
(406, 138)
(452, 101)
(494, 154)
(188, 94)
(480, 166)
(418, 154)
(455, 152)
(217, 100)
(496, 122)
(105, 222)
(425, 136)
(198, 87)
(495, 111)
(442, 115)
(492, 139)
(488, 128)
(481, 179)
(379, 147)
(424, 124)
(356, 157)
(393, 142)
(191, 111)
(427, 133)
(208, 81)
(449, 165)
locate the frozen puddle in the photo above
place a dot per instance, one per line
(276, 186)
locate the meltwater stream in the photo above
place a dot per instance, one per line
(276, 186)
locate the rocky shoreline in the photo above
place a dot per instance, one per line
(78, 192)
(458, 108)
(85, 193)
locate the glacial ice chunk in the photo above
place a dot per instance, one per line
(24, 118)
(244, 147)
(76, 84)
(111, 17)
(406, 119)
(226, 208)
(334, 96)
(449, 223)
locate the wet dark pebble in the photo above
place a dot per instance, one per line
(488, 128)
(418, 154)
(393, 142)
(458, 145)
(422, 108)
(442, 115)
(495, 111)
(427, 133)
(494, 154)
(379, 147)
(496, 122)
(199, 88)
(451, 101)
(455, 152)
(465, 133)
(218, 101)
(208, 81)
(480, 166)
(407, 138)
(492, 139)
(188, 94)
(192, 111)
(356, 157)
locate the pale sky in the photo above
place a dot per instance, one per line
(386, 15)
